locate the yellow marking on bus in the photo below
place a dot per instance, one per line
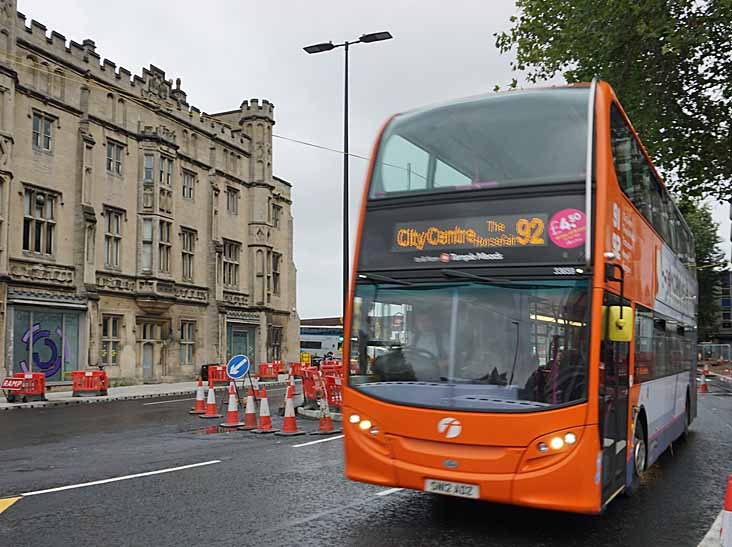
(5, 503)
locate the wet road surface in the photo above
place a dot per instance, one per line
(265, 490)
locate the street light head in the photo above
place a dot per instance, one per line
(319, 48)
(375, 37)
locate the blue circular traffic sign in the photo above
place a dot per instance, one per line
(237, 366)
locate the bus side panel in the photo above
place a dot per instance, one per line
(665, 421)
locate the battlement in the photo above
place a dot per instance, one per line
(253, 109)
(152, 85)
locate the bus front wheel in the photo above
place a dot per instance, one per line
(640, 451)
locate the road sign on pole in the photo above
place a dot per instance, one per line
(237, 366)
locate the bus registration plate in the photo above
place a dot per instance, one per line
(448, 488)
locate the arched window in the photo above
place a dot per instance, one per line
(33, 69)
(59, 84)
(109, 108)
(194, 145)
(121, 112)
(44, 81)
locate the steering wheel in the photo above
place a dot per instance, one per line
(419, 356)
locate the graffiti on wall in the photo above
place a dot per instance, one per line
(36, 335)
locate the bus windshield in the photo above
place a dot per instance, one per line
(505, 139)
(512, 347)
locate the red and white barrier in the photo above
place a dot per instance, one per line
(726, 532)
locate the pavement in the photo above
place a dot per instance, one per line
(144, 472)
(142, 391)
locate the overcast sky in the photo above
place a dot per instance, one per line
(225, 51)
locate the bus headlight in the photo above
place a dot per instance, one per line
(570, 438)
(364, 425)
(354, 419)
(556, 443)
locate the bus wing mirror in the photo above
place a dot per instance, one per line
(620, 323)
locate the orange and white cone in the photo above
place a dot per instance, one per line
(703, 387)
(210, 403)
(289, 425)
(250, 412)
(200, 406)
(265, 420)
(232, 414)
(725, 539)
(326, 421)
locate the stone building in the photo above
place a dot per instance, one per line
(136, 232)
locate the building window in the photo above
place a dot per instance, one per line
(164, 246)
(166, 170)
(187, 343)
(42, 131)
(188, 180)
(727, 325)
(276, 215)
(112, 238)
(231, 263)
(147, 245)
(276, 263)
(726, 302)
(148, 168)
(274, 338)
(232, 201)
(39, 222)
(114, 158)
(110, 339)
(189, 249)
(726, 316)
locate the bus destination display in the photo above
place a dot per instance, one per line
(477, 233)
(548, 230)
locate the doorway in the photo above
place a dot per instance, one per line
(613, 419)
(240, 341)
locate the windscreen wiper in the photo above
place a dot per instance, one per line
(468, 275)
(384, 278)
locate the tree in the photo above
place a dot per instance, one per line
(669, 61)
(709, 259)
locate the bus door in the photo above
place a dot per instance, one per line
(613, 407)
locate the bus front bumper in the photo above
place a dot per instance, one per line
(566, 482)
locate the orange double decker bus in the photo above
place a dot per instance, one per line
(522, 317)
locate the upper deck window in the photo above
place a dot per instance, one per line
(507, 139)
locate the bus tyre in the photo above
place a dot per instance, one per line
(640, 453)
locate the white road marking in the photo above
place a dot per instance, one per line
(171, 401)
(318, 441)
(712, 537)
(389, 491)
(116, 479)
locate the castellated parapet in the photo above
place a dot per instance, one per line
(151, 84)
(252, 109)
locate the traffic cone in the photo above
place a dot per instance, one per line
(250, 413)
(703, 388)
(265, 420)
(232, 414)
(726, 532)
(326, 421)
(200, 406)
(210, 403)
(289, 425)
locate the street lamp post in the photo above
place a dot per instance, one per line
(320, 48)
